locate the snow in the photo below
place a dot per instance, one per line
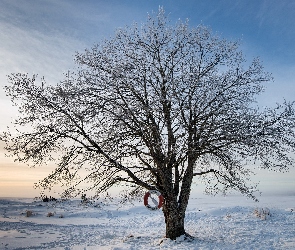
(216, 223)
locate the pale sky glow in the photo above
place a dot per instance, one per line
(43, 36)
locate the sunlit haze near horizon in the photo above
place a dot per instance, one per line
(41, 37)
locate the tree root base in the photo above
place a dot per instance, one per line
(188, 237)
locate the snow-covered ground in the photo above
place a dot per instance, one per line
(216, 222)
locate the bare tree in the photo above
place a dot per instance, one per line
(154, 107)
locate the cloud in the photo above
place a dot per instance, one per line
(32, 51)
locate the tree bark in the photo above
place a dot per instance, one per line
(174, 219)
(176, 203)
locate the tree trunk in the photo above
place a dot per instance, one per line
(174, 219)
(174, 207)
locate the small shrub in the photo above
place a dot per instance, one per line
(50, 214)
(262, 213)
(85, 200)
(29, 213)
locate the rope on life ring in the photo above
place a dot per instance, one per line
(158, 204)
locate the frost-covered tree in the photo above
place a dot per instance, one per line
(156, 107)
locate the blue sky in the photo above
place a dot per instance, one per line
(43, 36)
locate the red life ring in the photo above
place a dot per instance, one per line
(158, 204)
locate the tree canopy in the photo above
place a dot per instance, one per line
(154, 107)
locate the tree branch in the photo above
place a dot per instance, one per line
(206, 172)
